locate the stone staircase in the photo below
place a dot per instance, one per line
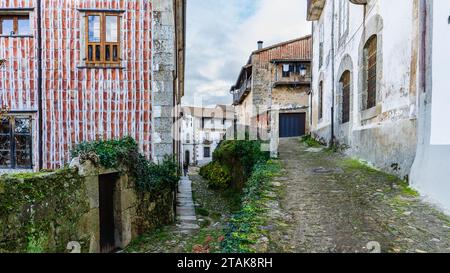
(186, 218)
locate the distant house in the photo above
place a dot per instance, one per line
(203, 129)
(380, 86)
(272, 90)
(75, 71)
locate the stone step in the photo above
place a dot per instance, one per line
(187, 218)
(188, 226)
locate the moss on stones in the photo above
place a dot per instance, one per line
(39, 212)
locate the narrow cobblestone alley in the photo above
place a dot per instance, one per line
(335, 204)
(201, 216)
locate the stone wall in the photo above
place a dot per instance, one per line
(163, 66)
(42, 212)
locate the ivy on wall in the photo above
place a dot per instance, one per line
(149, 177)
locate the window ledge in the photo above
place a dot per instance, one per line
(371, 113)
(16, 36)
(100, 66)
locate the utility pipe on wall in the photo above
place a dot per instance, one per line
(332, 74)
(39, 83)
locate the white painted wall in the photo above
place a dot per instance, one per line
(430, 174)
(440, 114)
(396, 47)
(384, 135)
(214, 131)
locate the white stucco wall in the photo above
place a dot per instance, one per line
(440, 114)
(430, 173)
(194, 136)
(378, 139)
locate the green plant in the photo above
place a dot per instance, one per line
(238, 157)
(309, 141)
(202, 212)
(149, 177)
(242, 231)
(218, 176)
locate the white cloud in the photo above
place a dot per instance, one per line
(221, 34)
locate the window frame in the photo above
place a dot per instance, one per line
(13, 148)
(320, 101)
(370, 71)
(344, 8)
(207, 155)
(103, 43)
(15, 18)
(321, 43)
(345, 82)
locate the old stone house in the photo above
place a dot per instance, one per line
(372, 84)
(75, 71)
(203, 129)
(272, 90)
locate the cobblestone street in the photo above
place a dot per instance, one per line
(330, 203)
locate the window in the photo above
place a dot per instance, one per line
(102, 38)
(15, 25)
(321, 42)
(286, 70)
(370, 53)
(343, 17)
(15, 142)
(345, 83)
(320, 102)
(206, 152)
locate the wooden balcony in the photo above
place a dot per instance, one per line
(240, 94)
(315, 8)
(292, 81)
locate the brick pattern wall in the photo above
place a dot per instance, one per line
(80, 104)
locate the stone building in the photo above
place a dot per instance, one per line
(272, 90)
(75, 71)
(363, 87)
(203, 129)
(376, 89)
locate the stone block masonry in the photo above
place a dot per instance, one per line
(163, 64)
(42, 212)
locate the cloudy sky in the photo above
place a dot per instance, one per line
(221, 34)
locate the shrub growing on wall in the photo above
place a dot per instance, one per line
(218, 176)
(149, 177)
(237, 157)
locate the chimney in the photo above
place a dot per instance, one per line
(260, 45)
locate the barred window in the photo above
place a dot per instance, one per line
(371, 71)
(345, 83)
(15, 142)
(102, 38)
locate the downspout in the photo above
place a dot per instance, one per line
(332, 75)
(311, 93)
(39, 83)
(423, 15)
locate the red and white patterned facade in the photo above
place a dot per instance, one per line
(79, 103)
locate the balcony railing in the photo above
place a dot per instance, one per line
(295, 80)
(240, 94)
